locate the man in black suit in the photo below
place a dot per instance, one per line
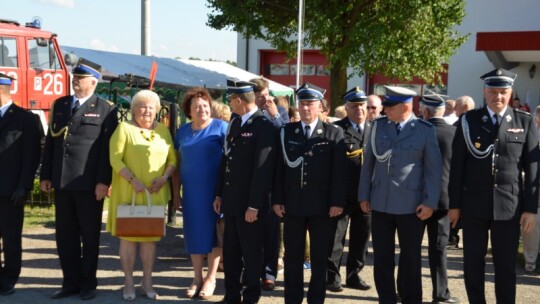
(309, 190)
(76, 164)
(278, 116)
(432, 108)
(494, 185)
(242, 189)
(19, 158)
(354, 127)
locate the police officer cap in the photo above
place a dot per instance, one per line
(310, 91)
(499, 78)
(86, 68)
(5, 79)
(396, 95)
(354, 95)
(434, 100)
(239, 86)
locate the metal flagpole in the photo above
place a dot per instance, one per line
(299, 46)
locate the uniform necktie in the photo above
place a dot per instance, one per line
(496, 120)
(398, 128)
(359, 129)
(306, 133)
(76, 105)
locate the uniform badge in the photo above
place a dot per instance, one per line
(484, 118)
(92, 105)
(296, 130)
(412, 124)
(477, 145)
(310, 153)
(319, 131)
(249, 121)
(508, 118)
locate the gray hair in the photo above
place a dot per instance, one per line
(434, 111)
(145, 95)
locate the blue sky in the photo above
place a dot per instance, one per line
(178, 27)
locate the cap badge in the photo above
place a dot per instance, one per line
(484, 118)
(477, 145)
(499, 72)
(508, 118)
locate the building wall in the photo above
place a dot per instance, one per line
(467, 65)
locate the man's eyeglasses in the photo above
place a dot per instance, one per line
(371, 108)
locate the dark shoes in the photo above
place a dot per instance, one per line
(62, 293)
(7, 290)
(334, 287)
(268, 285)
(88, 294)
(360, 285)
(449, 300)
(227, 301)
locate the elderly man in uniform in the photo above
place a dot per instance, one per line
(308, 191)
(76, 164)
(494, 185)
(438, 225)
(242, 189)
(355, 127)
(19, 159)
(400, 184)
(374, 107)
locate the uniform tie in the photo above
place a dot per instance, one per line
(398, 128)
(496, 120)
(307, 128)
(76, 105)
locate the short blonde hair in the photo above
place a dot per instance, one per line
(221, 111)
(282, 101)
(340, 112)
(145, 95)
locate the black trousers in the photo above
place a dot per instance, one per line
(270, 245)
(360, 229)
(78, 228)
(438, 230)
(294, 235)
(11, 224)
(410, 230)
(504, 244)
(242, 249)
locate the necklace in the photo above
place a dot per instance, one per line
(148, 138)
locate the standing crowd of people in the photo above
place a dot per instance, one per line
(373, 176)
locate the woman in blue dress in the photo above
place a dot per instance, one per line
(200, 148)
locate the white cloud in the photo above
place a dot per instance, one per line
(62, 3)
(97, 44)
(162, 47)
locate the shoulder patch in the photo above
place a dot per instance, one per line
(427, 123)
(522, 112)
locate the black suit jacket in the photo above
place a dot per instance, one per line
(505, 183)
(19, 150)
(354, 142)
(445, 136)
(320, 180)
(78, 159)
(245, 176)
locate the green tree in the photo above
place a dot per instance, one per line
(398, 38)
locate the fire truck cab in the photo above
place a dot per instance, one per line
(33, 58)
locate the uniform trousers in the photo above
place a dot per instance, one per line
(242, 249)
(294, 235)
(438, 230)
(531, 242)
(410, 230)
(11, 224)
(270, 245)
(360, 228)
(504, 244)
(78, 219)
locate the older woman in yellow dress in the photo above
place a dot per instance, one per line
(142, 157)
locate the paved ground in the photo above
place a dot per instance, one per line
(41, 275)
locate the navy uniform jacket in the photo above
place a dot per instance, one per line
(410, 177)
(245, 175)
(445, 136)
(323, 183)
(19, 150)
(494, 187)
(354, 144)
(78, 158)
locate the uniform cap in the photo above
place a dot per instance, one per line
(499, 78)
(85, 68)
(239, 86)
(396, 95)
(310, 91)
(354, 95)
(5, 79)
(434, 100)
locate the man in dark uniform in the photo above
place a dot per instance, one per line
(309, 190)
(354, 127)
(278, 116)
(242, 189)
(401, 182)
(432, 108)
(76, 164)
(19, 159)
(494, 185)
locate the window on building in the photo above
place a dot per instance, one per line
(277, 69)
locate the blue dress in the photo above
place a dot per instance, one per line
(201, 152)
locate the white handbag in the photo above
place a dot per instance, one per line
(140, 220)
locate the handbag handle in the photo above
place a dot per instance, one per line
(148, 202)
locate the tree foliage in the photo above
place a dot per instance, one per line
(398, 38)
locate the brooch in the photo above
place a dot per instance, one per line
(508, 118)
(484, 118)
